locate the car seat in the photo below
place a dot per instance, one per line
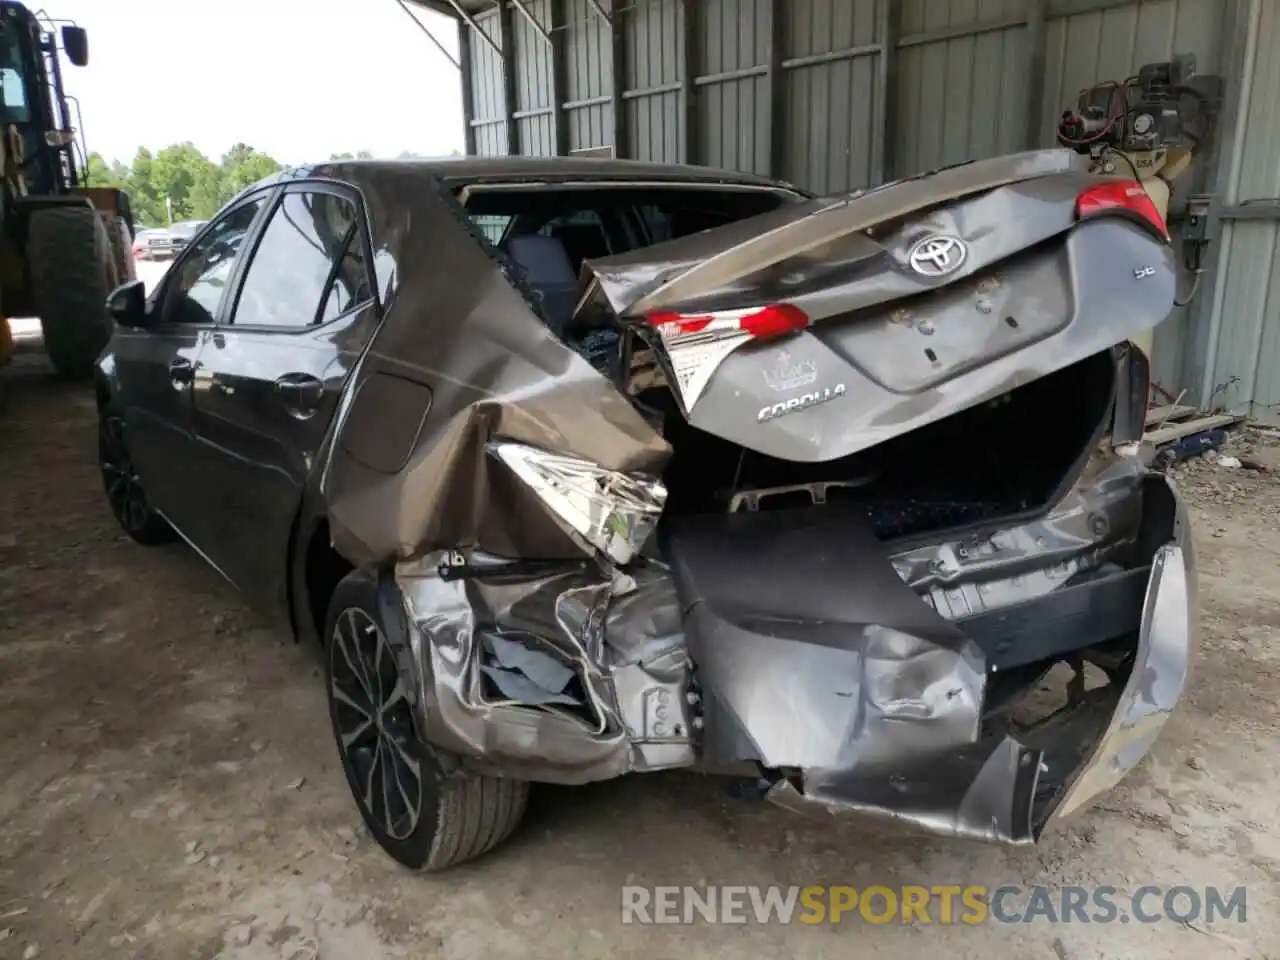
(582, 241)
(543, 263)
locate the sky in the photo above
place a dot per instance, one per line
(298, 79)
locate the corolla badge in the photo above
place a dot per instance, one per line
(937, 255)
(803, 402)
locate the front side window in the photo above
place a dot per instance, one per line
(309, 265)
(205, 270)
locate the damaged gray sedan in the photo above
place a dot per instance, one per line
(579, 469)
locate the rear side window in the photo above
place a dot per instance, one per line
(597, 222)
(350, 286)
(657, 223)
(308, 267)
(494, 227)
(671, 222)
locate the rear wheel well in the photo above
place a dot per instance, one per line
(323, 568)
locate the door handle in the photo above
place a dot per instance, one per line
(301, 392)
(181, 371)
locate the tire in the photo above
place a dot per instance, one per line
(123, 270)
(449, 818)
(125, 493)
(67, 252)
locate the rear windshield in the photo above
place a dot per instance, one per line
(600, 222)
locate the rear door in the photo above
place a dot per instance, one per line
(272, 372)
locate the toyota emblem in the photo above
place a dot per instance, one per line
(937, 256)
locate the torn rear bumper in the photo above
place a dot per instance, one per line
(1009, 791)
(856, 679)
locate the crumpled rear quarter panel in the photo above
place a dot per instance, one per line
(461, 353)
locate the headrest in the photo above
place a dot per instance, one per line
(542, 260)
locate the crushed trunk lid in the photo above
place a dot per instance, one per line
(829, 326)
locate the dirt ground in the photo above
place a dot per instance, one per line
(169, 788)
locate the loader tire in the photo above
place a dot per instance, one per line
(121, 253)
(67, 252)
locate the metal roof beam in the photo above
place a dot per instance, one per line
(471, 22)
(430, 36)
(510, 91)
(533, 21)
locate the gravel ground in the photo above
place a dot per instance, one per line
(168, 786)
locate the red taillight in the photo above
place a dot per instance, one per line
(774, 321)
(760, 323)
(1127, 195)
(680, 322)
(697, 343)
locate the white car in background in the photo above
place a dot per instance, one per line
(180, 233)
(152, 243)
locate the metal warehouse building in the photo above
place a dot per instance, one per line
(836, 95)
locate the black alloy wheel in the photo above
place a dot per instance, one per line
(125, 493)
(373, 721)
(422, 816)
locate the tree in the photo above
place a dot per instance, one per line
(147, 202)
(194, 187)
(189, 180)
(97, 173)
(243, 166)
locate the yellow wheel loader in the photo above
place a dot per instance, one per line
(63, 245)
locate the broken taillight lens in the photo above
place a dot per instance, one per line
(760, 323)
(612, 512)
(697, 343)
(1126, 195)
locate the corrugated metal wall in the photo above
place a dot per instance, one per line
(830, 88)
(533, 82)
(1242, 356)
(589, 52)
(655, 123)
(960, 70)
(733, 113)
(488, 100)
(956, 85)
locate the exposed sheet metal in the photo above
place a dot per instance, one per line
(619, 634)
(1098, 520)
(1002, 787)
(1170, 632)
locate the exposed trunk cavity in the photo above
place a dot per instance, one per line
(1007, 456)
